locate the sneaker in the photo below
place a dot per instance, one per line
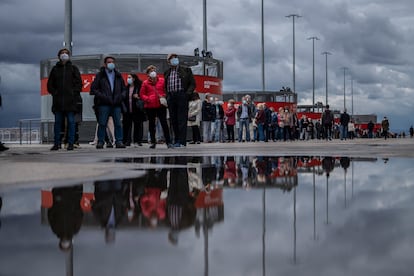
(153, 146)
(99, 146)
(120, 146)
(178, 145)
(70, 147)
(3, 147)
(139, 144)
(170, 146)
(93, 143)
(109, 145)
(55, 147)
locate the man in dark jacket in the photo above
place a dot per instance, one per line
(327, 122)
(344, 119)
(179, 86)
(110, 93)
(65, 85)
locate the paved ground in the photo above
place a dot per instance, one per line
(36, 165)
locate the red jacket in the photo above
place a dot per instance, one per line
(149, 90)
(231, 116)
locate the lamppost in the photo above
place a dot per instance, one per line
(344, 68)
(326, 77)
(352, 96)
(293, 20)
(204, 33)
(67, 43)
(313, 38)
(263, 62)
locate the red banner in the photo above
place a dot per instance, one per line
(204, 84)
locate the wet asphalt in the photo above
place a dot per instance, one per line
(36, 165)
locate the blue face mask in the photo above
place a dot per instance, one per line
(130, 80)
(174, 61)
(110, 66)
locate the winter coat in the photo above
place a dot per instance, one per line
(187, 80)
(194, 108)
(151, 92)
(101, 88)
(230, 116)
(65, 85)
(208, 112)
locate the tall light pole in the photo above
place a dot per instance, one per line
(204, 33)
(293, 20)
(352, 96)
(313, 38)
(67, 43)
(263, 62)
(344, 68)
(326, 77)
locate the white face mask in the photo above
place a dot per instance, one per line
(64, 57)
(153, 74)
(130, 80)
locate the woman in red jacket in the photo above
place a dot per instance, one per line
(152, 90)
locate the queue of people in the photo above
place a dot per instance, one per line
(170, 102)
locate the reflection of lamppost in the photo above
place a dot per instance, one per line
(293, 19)
(344, 68)
(326, 73)
(313, 38)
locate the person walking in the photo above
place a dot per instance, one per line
(151, 91)
(179, 85)
(64, 84)
(194, 117)
(109, 90)
(134, 115)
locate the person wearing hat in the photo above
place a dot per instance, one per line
(110, 92)
(179, 86)
(64, 84)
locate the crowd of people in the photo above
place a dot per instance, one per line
(169, 101)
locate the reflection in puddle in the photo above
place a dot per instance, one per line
(318, 213)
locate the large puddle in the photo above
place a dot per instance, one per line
(224, 215)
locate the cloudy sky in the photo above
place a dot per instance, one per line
(373, 38)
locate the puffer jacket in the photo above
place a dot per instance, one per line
(64, 84)
(101, 88)
(151, 91)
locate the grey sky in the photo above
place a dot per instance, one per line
(373, 38)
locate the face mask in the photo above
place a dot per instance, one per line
(153, 74)
(211, 99)
(244, 102)
(64, 57)
(110, 66)
(174, 61)
(130, 80)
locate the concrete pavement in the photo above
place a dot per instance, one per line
(36, 165)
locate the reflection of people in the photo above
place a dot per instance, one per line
(65, 216)
(110, 92)
(179, 85)
(328, 164)
(180, 204)
(64, 84)
(109, 206)
(345, 162)
(153, 202)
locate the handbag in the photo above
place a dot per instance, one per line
(139, 104)
(192, 118)
(163, 101)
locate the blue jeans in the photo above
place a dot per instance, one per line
(104, 112)
(59, 117)
(244, 123)
(344, 132)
